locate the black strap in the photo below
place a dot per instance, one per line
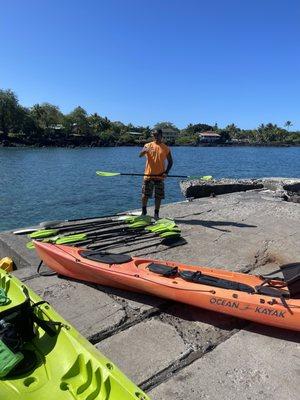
(44, 273)
(198, 277)
(271, 291)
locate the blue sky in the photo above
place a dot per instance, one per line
(144, 61)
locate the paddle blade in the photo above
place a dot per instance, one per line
(71, 239)
(43, 233)
(103, 173)
(138, 224)
(202, 178)
(30, 246)
(162, 227)
(170, 234)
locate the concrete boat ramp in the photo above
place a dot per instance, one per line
(174, 351)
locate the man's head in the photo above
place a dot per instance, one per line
(157, 135)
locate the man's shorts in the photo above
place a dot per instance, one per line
(156, 184)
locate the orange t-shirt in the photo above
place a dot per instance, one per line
(156, 157)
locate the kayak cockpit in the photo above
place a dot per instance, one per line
(105, 258)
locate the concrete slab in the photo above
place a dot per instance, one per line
(249, 365)
(144, 349)
(14, 246)
(88, 309)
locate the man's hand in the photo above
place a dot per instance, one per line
(144, 151)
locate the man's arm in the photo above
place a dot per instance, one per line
(144, 151)
(170, 163)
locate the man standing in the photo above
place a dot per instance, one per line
(157, 153)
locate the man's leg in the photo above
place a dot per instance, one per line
(159, 195)
(144, 204)
(147, 190)
(157, 207)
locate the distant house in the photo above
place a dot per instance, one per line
(136, 134)
(209, 137)
(169, 135)
(57, 127)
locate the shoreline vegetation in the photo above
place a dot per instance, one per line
(45, 125)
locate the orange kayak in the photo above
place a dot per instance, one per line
(262, 299)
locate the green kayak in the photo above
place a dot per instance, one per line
(43, 357)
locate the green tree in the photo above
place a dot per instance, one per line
(77, 123)
(98, 124)
(224, 135)
(46, 115)
(196, 128)
(288, 124)
(233, 131)
(166, 125)
(186, 140)
(9, 111)
(108, 138)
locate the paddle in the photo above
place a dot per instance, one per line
(61, 223)
(110, 174)
(134, 222)
(43, 233)
(140, 224)
(166, 234)
(135, 228)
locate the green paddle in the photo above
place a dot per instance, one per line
(165, 232)
(44, 233)
(139, 224)
(110, 174)
(136, 227)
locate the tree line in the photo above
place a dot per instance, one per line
(45, 125)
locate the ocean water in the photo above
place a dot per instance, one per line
(38, 184)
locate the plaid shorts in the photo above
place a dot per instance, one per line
(156, 184)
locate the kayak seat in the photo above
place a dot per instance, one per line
(271, 291)
(291, 273)
(290, 280)
(163, 270)
(106, 258)
(198, 277)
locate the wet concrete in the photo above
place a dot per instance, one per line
(175, 351)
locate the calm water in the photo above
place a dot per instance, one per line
(48, 184)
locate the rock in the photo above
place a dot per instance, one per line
(287, 189)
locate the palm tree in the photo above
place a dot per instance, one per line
(288, 124)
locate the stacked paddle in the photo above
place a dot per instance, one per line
(109, 233)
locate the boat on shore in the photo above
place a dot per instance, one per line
(261, 299)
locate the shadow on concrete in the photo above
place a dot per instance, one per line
(194, 314)
(271, 331)
(214, 224)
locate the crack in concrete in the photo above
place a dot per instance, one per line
(125, 323)
(188, 358)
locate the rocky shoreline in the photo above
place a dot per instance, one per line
(287, 189)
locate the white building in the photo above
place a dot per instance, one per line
(208, 137)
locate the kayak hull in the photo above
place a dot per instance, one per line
(135, 276)
(68, 367)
